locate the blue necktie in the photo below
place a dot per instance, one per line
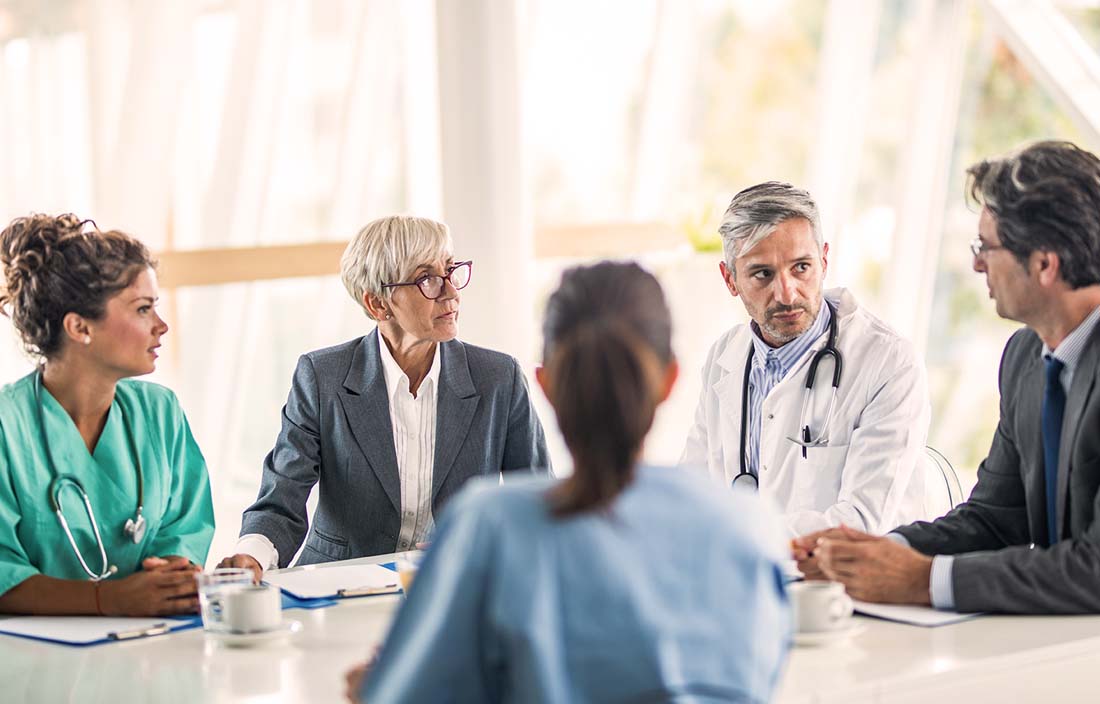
(1054, 407)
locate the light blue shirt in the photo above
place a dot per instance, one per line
(770, 365)
(1069, 351)
(674, 592)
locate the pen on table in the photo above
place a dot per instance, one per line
(155, 630)
(369, 591)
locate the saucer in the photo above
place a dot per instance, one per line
(245, 640)
(826, 637)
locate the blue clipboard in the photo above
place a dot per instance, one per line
(317, 602)
(85, 631)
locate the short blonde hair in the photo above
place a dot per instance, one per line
(388, 250)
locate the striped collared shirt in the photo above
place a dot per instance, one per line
(769, 367)
(1069, 351)
(413, 421)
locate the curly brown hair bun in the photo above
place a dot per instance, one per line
(54, 266)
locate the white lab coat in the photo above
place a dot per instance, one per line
(871, 474)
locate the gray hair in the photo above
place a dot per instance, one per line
(757, 211)
(388, 250)
(1045, 197)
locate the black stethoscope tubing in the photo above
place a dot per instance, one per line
(829, 350)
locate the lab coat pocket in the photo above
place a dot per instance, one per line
(820, 485)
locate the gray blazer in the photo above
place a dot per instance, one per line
(336, 432)
(999, 535)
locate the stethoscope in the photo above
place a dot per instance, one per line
(134, 527)
(746, 478)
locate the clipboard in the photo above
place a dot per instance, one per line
(292, 602)
(925, 616)
(330, 583)
(83, 631)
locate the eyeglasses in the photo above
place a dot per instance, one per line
(978, 248)
(431, 285)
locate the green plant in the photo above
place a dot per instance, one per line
(701, 230)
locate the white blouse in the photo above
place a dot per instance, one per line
(413, 422)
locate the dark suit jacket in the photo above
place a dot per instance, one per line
(1004, 562)
(336, 432)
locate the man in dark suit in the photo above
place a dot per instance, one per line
(1028, 538)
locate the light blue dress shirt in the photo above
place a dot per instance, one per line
(1069, 351)
(674, 592)
(770, 365)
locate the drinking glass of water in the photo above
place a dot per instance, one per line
(407, 565)
(213, 586)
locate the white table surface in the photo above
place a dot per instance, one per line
(988, 659)
(993, 658)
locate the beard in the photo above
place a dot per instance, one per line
(782, 333)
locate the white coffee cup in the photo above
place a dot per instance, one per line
(819, 606)
(213, 586)
(252, 609)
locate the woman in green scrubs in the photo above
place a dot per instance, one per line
(114, 454)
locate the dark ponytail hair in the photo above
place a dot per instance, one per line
(54, 266)
(606, 346)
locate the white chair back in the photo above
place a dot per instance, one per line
(943, 491)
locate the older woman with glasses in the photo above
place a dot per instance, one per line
(392, 424)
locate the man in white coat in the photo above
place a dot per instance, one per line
(757, 425)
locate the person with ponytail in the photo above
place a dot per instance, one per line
(625, 581)
(105, 504)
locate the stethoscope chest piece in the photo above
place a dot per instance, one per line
(135, 528)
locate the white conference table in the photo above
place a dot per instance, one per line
(990, 659)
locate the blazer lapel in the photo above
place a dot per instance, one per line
(367, 408)
(1030, 446)
(1083, 379)
(456, 401)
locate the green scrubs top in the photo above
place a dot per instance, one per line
(177, 505)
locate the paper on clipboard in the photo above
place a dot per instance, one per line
(88, 630)
(913, 615)
(332, 581)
